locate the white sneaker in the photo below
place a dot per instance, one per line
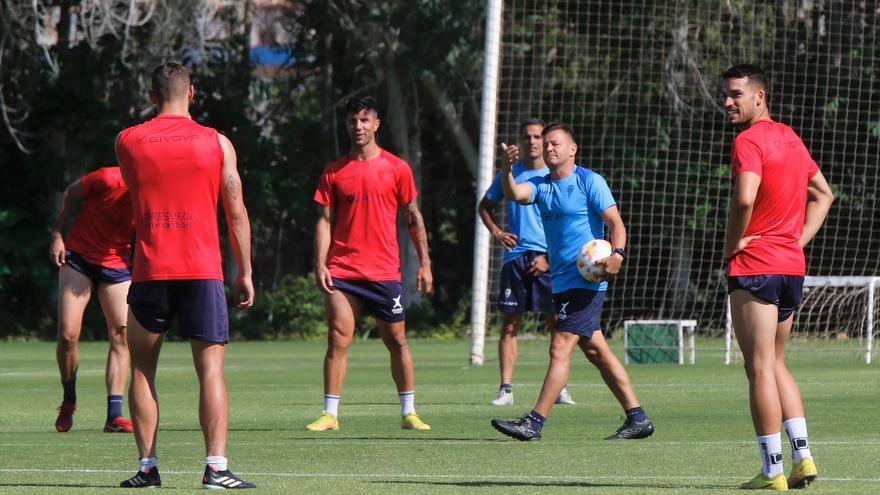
(503, 399)
(565, 398)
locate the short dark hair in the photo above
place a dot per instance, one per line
(531, 121)
(752, 72)
(559, 127)
(170, 80)
(359, 103)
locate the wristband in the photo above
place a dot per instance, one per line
(619, 251)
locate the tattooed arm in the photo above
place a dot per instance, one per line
(416, 225)
(239, 225)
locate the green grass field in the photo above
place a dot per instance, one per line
(704, 440)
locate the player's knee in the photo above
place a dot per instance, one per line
(68, 340)
(594, 357)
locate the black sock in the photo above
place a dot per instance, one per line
(537, 420)
(506, 387)
(69, 391)
(636, 414)
(114, 407)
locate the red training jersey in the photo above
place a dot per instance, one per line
(102, 231)
(173, 166)
(365, 197)
(774, 152)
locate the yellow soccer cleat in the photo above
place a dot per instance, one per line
(802, 474)
(762, 482)
(325, 422)
(412, 422)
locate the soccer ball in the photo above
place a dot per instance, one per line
(592, 252)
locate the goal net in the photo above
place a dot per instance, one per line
(639, 81)
(844, 309)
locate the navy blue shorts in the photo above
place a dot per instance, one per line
(96, 273)
(199, 305)
(785, 291)
(383, 300)
(520, 292)
(578, 311)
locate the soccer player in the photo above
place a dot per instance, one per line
(525, 276)
(177, 170)
(780, 200)
(575, 204)
(95, 257)
(357, 264)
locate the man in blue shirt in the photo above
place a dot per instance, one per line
(525, 276)
(575, 205)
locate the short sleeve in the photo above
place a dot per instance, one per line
(495, 193)
(745, 156)
(406, 185)
(535, 183)
(324, 194)
(599, 195)
(812, 168)
(95, 183)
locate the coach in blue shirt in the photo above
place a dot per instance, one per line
(575, 205)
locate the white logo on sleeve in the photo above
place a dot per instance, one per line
(562, 314)
(397, 308)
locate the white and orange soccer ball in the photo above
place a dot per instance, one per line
(592, 252)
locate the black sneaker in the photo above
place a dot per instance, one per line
(632, 430)
(520, 429)
(149, 479)
(223, 480)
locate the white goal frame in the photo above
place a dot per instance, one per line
(870, 283)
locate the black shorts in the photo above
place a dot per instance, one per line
(520, 292)
(784, 291)
(199, 305)
(96, 273)
(579, 311)
(383, 300)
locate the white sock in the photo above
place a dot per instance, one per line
(331, 404)
(770, 447)
(145, 464)
(797, 435)
(407, 402)
(217, 462)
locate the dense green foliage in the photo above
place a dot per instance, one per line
(704, 441)
(72, 98)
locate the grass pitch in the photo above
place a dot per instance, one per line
(704, 441)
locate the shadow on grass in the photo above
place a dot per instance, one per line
(325, 437)
(556, 484)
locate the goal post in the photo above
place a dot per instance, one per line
(479, 296)
(833, 307)
(639, 84)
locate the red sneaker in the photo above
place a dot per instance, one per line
(65, 417)
(118, 425)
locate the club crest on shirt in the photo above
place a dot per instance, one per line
(569, 190)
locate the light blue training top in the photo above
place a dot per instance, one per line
(524, 221)
(571, 210)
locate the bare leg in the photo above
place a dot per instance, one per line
(209, 359)
(508, 352)
(112, 298)
(342, 310)
(561, 346)
(616, 378)
(402, 369)
(756, 331)
(789, 393)
(143, 402)
(74, 292)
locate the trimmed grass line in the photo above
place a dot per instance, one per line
(431, 476)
